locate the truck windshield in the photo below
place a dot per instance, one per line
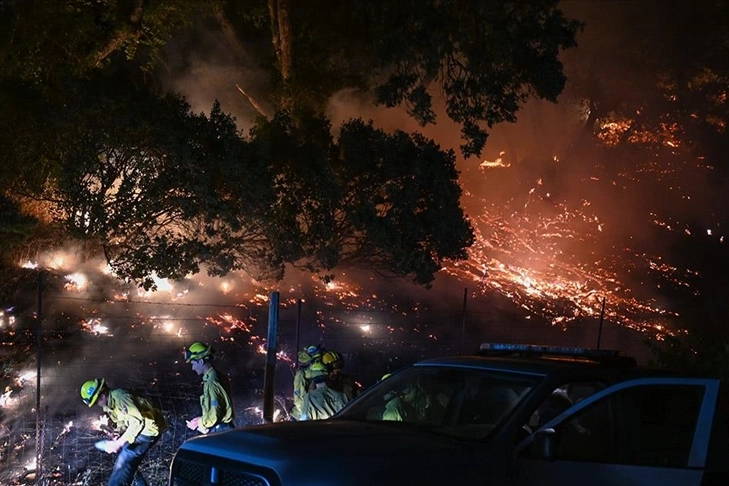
(457, 401)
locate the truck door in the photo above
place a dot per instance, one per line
(643, 431)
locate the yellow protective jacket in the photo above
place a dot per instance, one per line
(301, 388)
(215, 401)
(399, 410)
(322, 402)
(134, 415)
(344, 383)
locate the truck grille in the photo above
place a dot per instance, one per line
(192, 469)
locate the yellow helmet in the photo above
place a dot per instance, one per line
(197, 350)
(91, 390)
(333, 360)
(304, 358)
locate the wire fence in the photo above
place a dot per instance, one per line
(138, 346)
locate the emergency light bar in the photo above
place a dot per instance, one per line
(551, 350)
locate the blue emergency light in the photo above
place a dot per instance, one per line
(551, 350)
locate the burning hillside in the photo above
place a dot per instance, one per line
(553, 259)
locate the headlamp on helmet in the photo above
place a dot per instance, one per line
(315, 351)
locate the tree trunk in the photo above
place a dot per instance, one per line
(231, 36)
(281, 31)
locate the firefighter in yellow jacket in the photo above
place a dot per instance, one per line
(322, 402)
(302, 383)
(338, 379)
(216, 403)
(140, 424)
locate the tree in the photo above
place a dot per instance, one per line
(162, 190)
(43, 40)
(692, 352)
(391, 200)
(484, 58)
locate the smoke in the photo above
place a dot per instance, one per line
(539, 197)
(204, 67)
(562, 226)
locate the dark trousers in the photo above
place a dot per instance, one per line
(127, 462)
(220, 427)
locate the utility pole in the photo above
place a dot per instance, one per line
(272, 345)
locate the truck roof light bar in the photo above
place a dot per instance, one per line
(535, 349)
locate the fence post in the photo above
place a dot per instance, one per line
(38, 417)
(272, 345)
(463, 320)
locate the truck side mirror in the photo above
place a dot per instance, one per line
(542, 446)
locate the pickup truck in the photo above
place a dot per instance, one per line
(507, 415)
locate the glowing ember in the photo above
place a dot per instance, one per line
(76, 281)
(499, 162)
(95, 326)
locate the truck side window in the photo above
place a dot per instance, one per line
(648, 425)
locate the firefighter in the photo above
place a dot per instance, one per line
(306, 357)
(409, 404)
(322, 402)
(338, 379)
(216, 403)
(140, 424)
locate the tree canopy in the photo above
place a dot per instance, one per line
(120, 163)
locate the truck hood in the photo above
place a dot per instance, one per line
(374, 450)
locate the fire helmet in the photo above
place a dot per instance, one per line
(333, 360)
(315, 351)
(91, 390)
(304, 358)
(197, 350)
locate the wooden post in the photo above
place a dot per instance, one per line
(463, 320)
(298, 333)
(599, 329)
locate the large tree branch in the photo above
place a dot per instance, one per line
(122, 35)
(254, 103)
(231, 36)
